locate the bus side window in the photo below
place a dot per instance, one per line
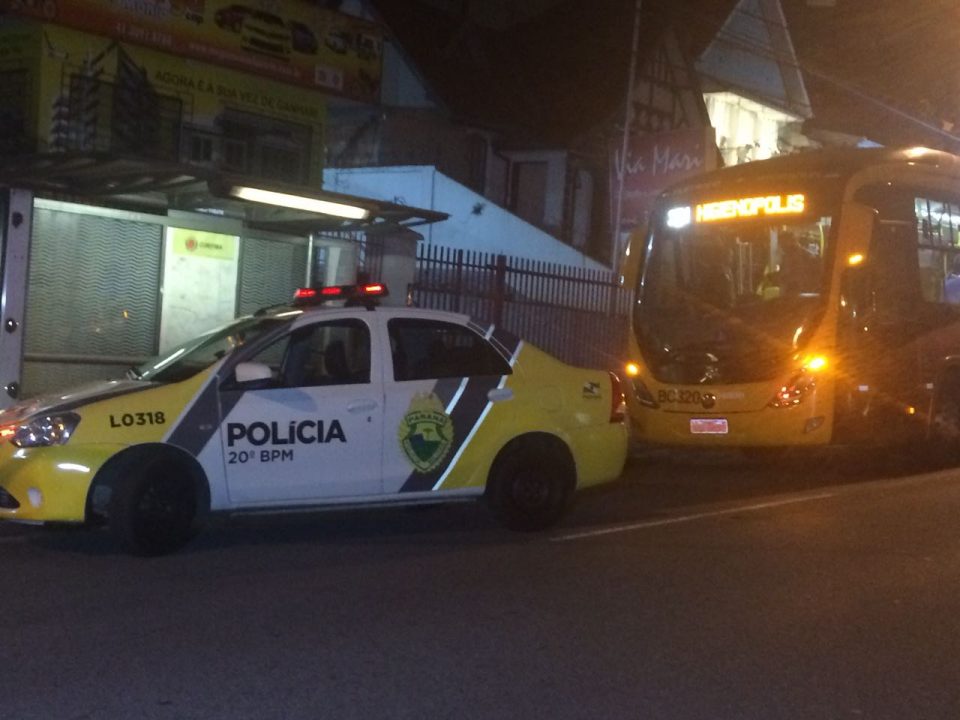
(894, 271)
(894, 278)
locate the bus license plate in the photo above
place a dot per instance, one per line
(709, 426)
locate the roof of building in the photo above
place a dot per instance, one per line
(148, 185)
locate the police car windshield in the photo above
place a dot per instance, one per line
(200, 353)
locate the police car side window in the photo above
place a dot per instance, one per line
(328, 353)
(427, 349)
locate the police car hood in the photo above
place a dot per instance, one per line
(73, 398)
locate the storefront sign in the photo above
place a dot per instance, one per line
(199, 284)
(654, 163)
(292, 41)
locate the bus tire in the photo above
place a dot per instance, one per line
(531, 483)
(154, 509)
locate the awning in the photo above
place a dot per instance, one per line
(157, 186)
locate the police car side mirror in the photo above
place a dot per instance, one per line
(249, 372)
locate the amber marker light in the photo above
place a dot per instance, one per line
(632, 369)
(855, 259)
(815, 363)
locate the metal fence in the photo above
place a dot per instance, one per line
(576, 314)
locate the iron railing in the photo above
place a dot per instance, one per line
(577, 314)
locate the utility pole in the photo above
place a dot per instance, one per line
(627, 113)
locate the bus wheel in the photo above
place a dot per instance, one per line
(153, 511)
(531, 483)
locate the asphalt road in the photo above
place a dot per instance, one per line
(696, 588)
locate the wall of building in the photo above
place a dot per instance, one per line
(168, 280)
(474, 224)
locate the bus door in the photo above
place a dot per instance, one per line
(901, 316)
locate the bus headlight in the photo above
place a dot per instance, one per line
(803, 382)
(642, 394)
(794, 390)
(41, 431)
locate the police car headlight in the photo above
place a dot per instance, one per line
(41, 431)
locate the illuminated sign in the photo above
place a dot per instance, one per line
(751, 207)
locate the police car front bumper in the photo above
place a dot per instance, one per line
(48, 484)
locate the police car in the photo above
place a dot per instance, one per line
(316, 404)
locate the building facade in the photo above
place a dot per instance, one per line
(138, 130)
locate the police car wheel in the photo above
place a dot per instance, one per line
(153, 512)
(531, 487)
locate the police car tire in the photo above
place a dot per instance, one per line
(532, 485)
(153, 511)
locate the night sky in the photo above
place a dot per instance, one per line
(885, 69)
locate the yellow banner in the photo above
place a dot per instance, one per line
(195, 243)
(94, 92)
(292, 41)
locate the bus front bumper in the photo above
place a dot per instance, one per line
(767, 427)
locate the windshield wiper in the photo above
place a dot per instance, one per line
(133, 374)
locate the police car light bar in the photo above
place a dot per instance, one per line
(306, 296)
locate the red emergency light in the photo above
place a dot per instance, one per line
(305, 294)
(357, 293)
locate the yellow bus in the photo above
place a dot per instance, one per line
(806, 300)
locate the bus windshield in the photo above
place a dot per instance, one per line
(729, 300)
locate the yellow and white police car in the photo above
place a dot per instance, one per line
(315, 405)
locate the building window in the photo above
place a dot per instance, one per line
(14, 98)
(267, 147)
(529, 191)
(280, 163)
(201, 149)
(235, 155)
(746, 130)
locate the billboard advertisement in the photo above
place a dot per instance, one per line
(653, 163)
(100, 94)
(293, 41)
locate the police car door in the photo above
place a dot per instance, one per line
(445, 377)
(313, 429)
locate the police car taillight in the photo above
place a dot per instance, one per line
(618, 401)
(358, 293)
